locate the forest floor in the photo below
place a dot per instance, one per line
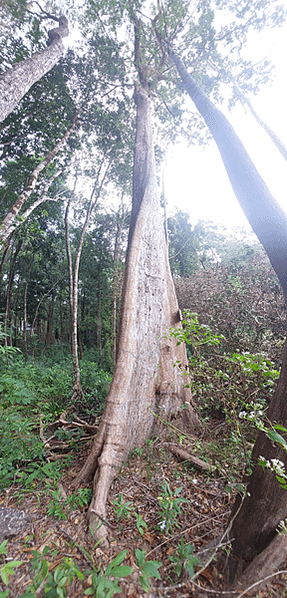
(145, 513)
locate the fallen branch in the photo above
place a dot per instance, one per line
(185, 456)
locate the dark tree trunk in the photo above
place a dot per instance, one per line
(265, 505)
(49, 332)
(15, 83)
(261, 209)
(261, 512)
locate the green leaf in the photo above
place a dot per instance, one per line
(121, 571)
(3, 549)
(14, 563)
(5, 576)
(275, 437)
(140, 556)
(278, 427)
(144, 583)
(150, 568)
(119, 558)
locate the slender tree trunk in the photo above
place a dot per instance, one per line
(73, 298)
(15, 83)
(145, 379)
(9, 290)
(276, 140)
(8, 223)
(115, 282)
(74, 275)
(49, 333)
(265, 504)
(25, 311)
(99, 315)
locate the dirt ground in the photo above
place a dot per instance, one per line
(201, 522)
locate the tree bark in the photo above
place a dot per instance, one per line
(261, 209)
(8, 223)
(265, 504)
(145, 379)
(15, 83)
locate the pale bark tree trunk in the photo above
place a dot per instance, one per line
(15, 83)
(25, 311)
(74, 276)
(276, 140)
(8, 223)
(145, 379)
(265, 504)
(43, 197)
(9, 291)
(73, 298)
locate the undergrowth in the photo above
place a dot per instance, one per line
(35, 400)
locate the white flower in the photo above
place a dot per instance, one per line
(162, 525)
(242, 414)
(277, 463)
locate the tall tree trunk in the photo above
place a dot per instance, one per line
(121, 216)
(276, 140)
(145, 379)
(50, 318)
(8, 223)
(265, 215)
(265, 504)
(9, 290)
(73, 299)
(15, 83)
(25, 311)
(99, 315)
(74, 275)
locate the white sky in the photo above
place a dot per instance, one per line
(195, 178)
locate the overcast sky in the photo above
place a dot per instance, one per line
(195, 178)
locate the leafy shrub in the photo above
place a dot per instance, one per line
(95, 383)
(19, 445)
